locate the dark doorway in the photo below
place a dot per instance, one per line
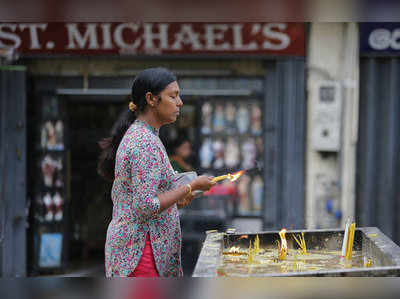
(91, 205)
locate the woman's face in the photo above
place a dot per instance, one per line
(169, 105)
(184, 150)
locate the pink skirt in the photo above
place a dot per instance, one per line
(146, 266)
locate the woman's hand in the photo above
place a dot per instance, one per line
(185, 201)
(202, 183)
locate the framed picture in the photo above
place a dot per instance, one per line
(52, 135)
(52, 168)
(50, 250)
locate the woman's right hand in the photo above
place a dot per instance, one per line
(202, 183)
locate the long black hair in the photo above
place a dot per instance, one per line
(152, 80)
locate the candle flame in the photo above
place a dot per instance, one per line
(231, 177)
(236, 175)
(282, 246)
(283, 238)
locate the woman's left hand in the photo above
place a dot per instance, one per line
(185, 201)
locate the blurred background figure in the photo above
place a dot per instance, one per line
(180, 152)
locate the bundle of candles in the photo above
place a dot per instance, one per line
(282, 246)
(348, 240)
(255, 249)
(231, 177)
(301, 242)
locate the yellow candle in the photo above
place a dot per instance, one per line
(250, 257)
(257, 245)
(222, 177)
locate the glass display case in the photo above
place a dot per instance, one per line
(231, 140)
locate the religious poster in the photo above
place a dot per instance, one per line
(52, 135)
(52, 171)
(49, 207)
(48, 204)
(50, 250)
(58, 203)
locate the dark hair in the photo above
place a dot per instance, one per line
(152, 80)
(180, 139)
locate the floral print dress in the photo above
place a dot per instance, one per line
(142, 170)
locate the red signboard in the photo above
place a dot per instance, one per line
(153, 38)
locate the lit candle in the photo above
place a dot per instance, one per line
(222, 177)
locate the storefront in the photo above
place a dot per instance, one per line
(243, 87)
(378, 147)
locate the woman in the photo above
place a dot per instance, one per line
(180, 152)
(144, 237)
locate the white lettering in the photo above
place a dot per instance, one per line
(74, 35)
(380, 39)
(256, 28)
(107, 44)
(186, 36)
(277, 35)
(149, 36)
(119, 40)
(33, 33)
(215, 33)
(394, 43)
(9, 36)
(238, 39)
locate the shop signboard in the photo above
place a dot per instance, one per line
(194, 38)
(380, 38)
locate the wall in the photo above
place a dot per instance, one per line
(378, 159)
(12, 171)
(330, 176)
